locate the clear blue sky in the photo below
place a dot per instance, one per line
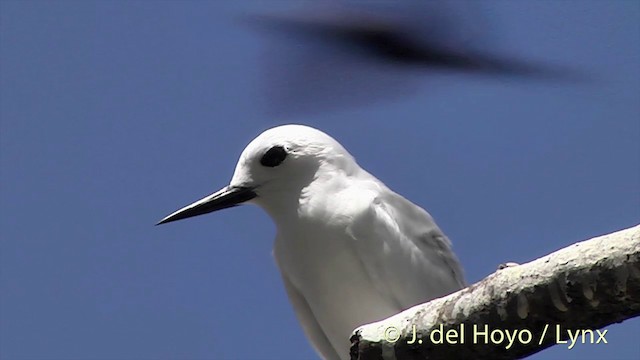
(116, 113)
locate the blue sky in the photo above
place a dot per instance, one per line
(116, 113)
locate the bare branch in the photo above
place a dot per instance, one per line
(517, 311)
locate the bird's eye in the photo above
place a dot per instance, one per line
(274, 156)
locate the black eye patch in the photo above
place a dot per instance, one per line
(274, 156)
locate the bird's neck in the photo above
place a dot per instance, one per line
(310, 201)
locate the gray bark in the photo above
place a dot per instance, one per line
(571, 293)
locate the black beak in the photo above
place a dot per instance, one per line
(224, 198)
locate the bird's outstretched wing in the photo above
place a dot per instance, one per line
(404, 252)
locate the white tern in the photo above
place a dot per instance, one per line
(350, 250)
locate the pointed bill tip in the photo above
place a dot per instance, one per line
(177, 215)
(163, 221)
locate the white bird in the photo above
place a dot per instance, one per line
(350, 250)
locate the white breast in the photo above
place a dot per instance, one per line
(324, 267)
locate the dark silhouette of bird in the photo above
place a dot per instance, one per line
(345, 54)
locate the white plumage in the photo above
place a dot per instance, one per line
(350, 250)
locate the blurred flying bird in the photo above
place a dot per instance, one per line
(348, 53)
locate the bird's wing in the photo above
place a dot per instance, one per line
(404, 252)
(308, 321)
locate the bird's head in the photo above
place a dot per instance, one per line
(274, 168)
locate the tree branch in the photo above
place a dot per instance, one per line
(519, 310)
